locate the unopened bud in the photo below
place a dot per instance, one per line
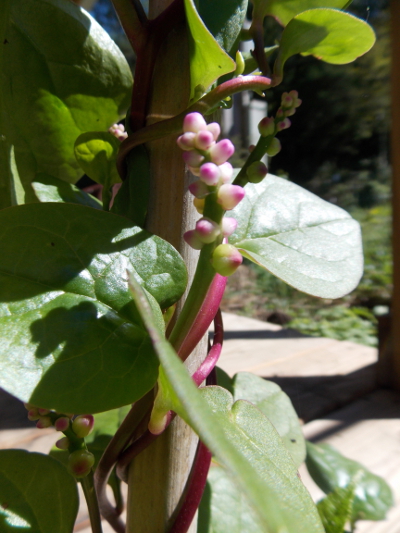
(274, 147)
(199, 189)
(266, 127)
(226, 259)
(221, 151)
(193, 158)
(295, 97)
(33, 414)
(286, 100)
(186, 141)
(256, 172)
(43, 422)
(215, 129)
(240, 64)
(204, 140)
(80, 463)
(193, 240)
(228, 226)
(229, 195)
(62, 423)
(43, 412)
(226, 171)
(194, 122)
(207, 230)
(210, 174)
(82, 425)
(63, 444)
(283, 124)
(199, 205)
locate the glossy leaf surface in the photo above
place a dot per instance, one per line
(270, 399)
(72, 339)
(37, 494)
(328, 34)
(331, 470)
(285, 10)
(241, 438)
(208, 61)
(50, 189)
(62, 76)
(309, 243)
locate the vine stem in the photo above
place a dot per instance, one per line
(92, 503)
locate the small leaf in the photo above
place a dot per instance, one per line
(331, 470)
(72, 339)
(50, 189)
(309, 243)
(270, 399)
(37, 494)
(335, 509)
(328, 34)
(208, 61)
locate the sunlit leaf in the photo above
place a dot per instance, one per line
(50, 189)
(285, 10)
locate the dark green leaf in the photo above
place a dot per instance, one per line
(277, 407)
(285, 10)
(37, 494)
(208, 61)
(62, 76)
(241, 438)
(335, 509)
(50, 189)
(309, 243)
(71, 336)
(328, 34)
(331, 470)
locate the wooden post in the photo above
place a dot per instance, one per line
(389, 356)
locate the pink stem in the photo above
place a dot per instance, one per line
(211, 360)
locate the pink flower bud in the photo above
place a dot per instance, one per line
(226, 171)
(43, 422)
(192, 158)
(80, 463)
(221, 151)
(228, 226)
(286, 100)
(63, 444)
(83, 425)
(194, 122)
(204, 140)
(62, 423)
(295, 97)
(186, 141)
(199, 189)
(256, 172)
(199, 205)
(266, 126)
(193, 240)
(215, 129)
(207, 230)
(283, 124)
(226, 259)
(209, 174)
(43, 412)
(33, 414)
(229, 195)
(274, 147)
(290, 112)
(280, 113)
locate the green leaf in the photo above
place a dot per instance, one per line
(50, 189)
(270, 399)
(328, 34)
(72, 339)
(62, 76)
(225, 22)
(208, 61)
(331, 470)
(335, 509)
(309, 243)
(242, 440)
(37, 494)
(285, 10)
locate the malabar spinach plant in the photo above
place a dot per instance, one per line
(97, 316)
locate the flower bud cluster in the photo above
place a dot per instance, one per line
(118, 130)
(208, 159)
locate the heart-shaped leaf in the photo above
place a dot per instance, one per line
(71, 336)
(208, 61)
(62, 75)
(50, 189)
(331, 470)
(309, 243)
(328, 34)
(37, 494)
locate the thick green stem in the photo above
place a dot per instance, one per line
(92, 503)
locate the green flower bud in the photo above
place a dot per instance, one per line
(80, 463)
(274, 148)
(226, 259)
(256, 172)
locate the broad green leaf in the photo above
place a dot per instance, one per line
(335, 509)
(225, 22)
(242, 440)
(285, 10)
(328, 34)
(270, 399)
(309, 243)
(62, 76)
(37, 494)
(50, 189)
(331, 470)
(72, 339)
(208, 61)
